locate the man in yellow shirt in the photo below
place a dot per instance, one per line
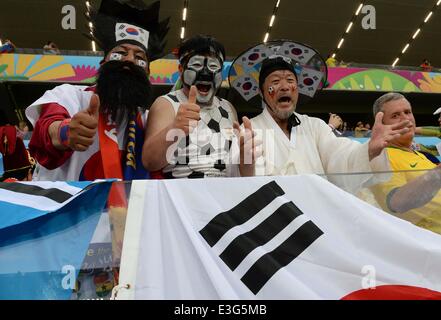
(331, 61)
(414, 193)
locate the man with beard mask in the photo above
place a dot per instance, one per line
(87, 133)
(190, 131)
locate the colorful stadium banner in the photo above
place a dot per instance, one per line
(82, 69)
(363, 79)
(45, 230)
(268, 238)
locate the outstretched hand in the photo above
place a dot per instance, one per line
(383, 134)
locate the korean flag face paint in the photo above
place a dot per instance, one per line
(116, 56)
(271, 91)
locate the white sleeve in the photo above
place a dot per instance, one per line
(343, 156)
(73, 98)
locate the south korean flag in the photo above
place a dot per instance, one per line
(254, 56)
(309, 81)
(269, 238)
(125, 31)
(283, 227)
(247, 87)
(297, 52)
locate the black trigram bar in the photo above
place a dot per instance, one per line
(54, 194)
(241, 246)
(264, 268)
(241, 213)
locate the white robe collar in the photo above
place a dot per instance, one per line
(279, 132)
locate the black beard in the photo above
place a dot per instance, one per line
(122, 87)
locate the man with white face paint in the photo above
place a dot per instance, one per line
(298, 144)
(190, 131)
(205, 72)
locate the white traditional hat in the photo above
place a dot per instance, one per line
(309, 67)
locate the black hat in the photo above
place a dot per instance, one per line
(131, 21)
(275, 63)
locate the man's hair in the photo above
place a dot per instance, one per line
(388, 97)
(200, 44)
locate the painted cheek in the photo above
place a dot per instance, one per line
(189, 77)
(141, 63)
(115, 56)
(218, 80)
(271, 92)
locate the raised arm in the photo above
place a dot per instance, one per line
(164, 128)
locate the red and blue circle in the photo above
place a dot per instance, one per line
(132, 31)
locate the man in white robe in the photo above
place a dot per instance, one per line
(298, 144)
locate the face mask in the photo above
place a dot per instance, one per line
(206, 74)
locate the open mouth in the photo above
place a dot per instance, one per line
(203, 87)
(284, 99)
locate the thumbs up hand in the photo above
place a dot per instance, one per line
(84, 125)
(188, 113)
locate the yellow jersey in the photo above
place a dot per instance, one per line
(406, 166)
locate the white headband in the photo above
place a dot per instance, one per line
(125, 31)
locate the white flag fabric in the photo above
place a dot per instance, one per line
(296, 237)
